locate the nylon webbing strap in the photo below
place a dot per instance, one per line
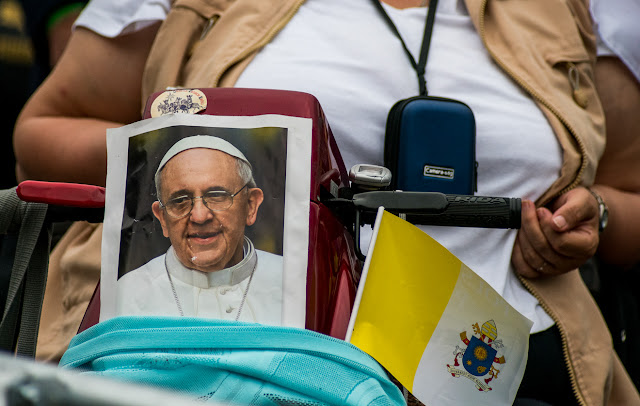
(421, 65)
(28, 273)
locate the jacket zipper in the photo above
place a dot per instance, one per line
(574, 184)
(263, 41)
(539, 98)
(565, 350)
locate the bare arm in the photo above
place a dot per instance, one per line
(618, 176)
(60, 133)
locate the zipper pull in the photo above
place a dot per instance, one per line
(579, 95)
(208, 25)
(205, 30)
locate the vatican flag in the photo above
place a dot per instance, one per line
(435, 325)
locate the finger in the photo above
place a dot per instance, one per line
(555, 252)
(519, 264)
(536, 249)
(574, 208)
(538, 263)
(567, 250)
(537, 256)
(575, 243)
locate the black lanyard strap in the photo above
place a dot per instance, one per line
(420, 66)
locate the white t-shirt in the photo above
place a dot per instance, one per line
(616, 24)
(343, 53)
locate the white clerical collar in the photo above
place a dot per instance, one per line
(204, 280)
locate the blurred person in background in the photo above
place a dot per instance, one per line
(48, 25)
(16, 57)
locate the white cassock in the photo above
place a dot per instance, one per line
(248, 291)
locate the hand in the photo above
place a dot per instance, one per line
(557, 239)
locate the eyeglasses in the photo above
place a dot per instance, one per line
(215, 200)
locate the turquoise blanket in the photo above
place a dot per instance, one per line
(240, 363)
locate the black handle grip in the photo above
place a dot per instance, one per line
(474, 211)
(432, 208)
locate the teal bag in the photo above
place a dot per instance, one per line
(233, 362)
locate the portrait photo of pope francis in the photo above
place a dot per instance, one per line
(206, 199)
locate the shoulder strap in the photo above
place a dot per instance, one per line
(421, 65)
(28, 274)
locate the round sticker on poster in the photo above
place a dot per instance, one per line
(190, 101)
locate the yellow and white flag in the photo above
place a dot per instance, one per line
(435, 325)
